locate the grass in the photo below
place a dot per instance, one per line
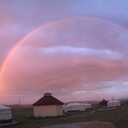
(25, 118)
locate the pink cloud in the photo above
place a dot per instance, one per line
(67, 57)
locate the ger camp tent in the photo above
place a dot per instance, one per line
(5, 114)
(87, 105)
(113, 103)
(74, 106)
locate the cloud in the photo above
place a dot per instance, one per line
(18, 18)
(68, 56)
(63, 72)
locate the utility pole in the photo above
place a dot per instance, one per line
(19, 104)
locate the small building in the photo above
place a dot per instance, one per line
(48, 106)
(5, 114)
(103, 103)
(113, 103)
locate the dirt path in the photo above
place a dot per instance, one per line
(72, 125)
(93, 124)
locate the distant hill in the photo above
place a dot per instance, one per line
(21, 106)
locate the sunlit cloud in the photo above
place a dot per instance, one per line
(64, 64)
(75, 49)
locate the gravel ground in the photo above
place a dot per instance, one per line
(71, 125)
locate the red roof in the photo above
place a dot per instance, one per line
(48, 99)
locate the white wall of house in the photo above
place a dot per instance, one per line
(48, 110)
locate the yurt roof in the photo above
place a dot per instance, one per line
(87, 104)
(2, 107)
(48, 99)
(75, 104)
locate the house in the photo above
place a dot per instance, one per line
(5, 114)
(48, 106)
(103, 103)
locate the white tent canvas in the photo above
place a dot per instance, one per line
(66, 108)
(74, 106)
(87, 105)
(5, 114)
(113, 103)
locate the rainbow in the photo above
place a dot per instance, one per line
(22, 41)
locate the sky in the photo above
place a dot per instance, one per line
(74, 49)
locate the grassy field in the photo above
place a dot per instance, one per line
(25, 118)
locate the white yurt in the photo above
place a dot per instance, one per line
(87, 105)
(74, 106)
(5, 114)
(66, 108)
(113, 103)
